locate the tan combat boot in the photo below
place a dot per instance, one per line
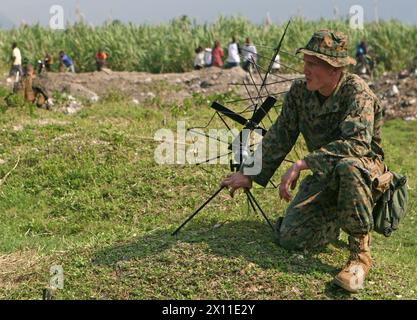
(352, 277)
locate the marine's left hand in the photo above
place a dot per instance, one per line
(290, 178)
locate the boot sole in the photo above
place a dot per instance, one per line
(341, 284)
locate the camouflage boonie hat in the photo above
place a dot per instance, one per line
(329, 46)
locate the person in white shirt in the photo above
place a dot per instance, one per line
(199, 58)
(16, 61)
(277, 64)
(207, 57)
(233, 58)
(249, 54)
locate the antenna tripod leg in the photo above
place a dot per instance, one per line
(197, 211)
(253, 202)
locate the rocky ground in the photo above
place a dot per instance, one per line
(140, 86)
(398, 93)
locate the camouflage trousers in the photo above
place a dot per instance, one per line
(321, 208)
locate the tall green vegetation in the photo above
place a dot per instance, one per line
(170, 47)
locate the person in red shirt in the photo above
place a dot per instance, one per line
(217, 55)
(101, 58)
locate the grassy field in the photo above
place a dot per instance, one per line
(85, 193)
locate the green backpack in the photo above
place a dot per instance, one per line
(391, 206)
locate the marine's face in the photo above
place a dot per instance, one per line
(318, 73)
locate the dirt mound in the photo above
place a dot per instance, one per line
(140, 86)
(398, 94)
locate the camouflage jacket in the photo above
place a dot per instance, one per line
(347, 124)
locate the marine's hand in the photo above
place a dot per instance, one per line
(290, 178)
(236, 181)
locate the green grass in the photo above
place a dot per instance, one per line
(169, 47)
(86, 194)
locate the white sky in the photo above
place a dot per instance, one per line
(156, 11)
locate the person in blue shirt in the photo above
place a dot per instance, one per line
(65, 61)
(361, 50)
(362, 58)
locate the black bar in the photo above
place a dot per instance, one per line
(263, 110)
(229, 113)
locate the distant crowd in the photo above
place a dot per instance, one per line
(245, 57)
(25, 82)
(64, 62)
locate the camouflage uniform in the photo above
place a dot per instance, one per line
(343, 138)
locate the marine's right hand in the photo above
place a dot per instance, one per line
(236, 181)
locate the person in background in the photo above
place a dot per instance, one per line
(207, 57)
(65, 62)
(217, 55)
(361, 50)
(362, 57)
(199, 58)
(45, 64)
(249, 55)
(16, 61)
(101, 59)
(48, 60)
(276, 66)
(233, 58)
